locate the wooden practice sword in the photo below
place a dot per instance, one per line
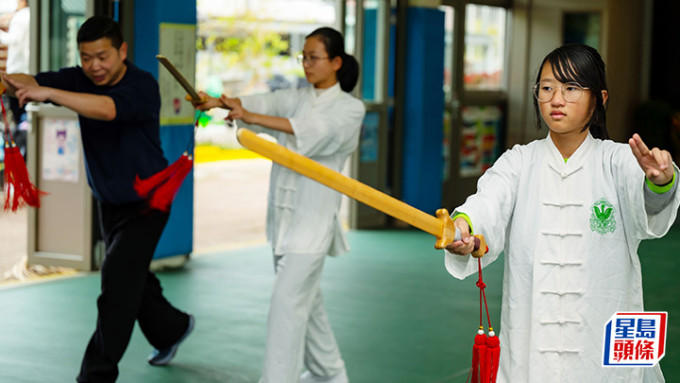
(440, 226)
(192, 94)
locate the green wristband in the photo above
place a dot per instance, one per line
(466, 218)
(660, 189)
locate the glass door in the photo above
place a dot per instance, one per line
(366, 27)
(475, 86)
(58, 26)
(61, 232)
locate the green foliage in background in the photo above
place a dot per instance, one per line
(237, 55)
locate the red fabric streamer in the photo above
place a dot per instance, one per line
(160, 189)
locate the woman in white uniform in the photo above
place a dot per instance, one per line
(322, 122)
(569, 266)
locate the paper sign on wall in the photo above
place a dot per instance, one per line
(177, 42)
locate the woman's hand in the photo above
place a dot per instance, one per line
(466, 244)
(656, 163)
(236, 111)
(207, 102)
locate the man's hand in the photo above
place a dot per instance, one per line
(656, 163)
(33, 93)
(16, 81)
(466, 245)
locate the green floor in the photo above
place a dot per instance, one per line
(397, 314)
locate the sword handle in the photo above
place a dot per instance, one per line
(481, 247)
(448, 232)
(201, 100)
(448, 235)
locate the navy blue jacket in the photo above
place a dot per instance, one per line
(118, 150)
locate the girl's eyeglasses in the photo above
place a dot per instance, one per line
(309, 60)
(571, 91)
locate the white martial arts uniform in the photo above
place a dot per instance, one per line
(568, 267)
(17, 40)
(303, 226)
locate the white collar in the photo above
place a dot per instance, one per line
(575, 162)
(325, 94)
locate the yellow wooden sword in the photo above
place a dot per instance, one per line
(440, 226)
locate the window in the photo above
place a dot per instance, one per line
(484, 47)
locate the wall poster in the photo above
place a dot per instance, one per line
(61, 149)
(177, 42)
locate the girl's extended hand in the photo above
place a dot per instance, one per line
(656, 163)
(466, 245)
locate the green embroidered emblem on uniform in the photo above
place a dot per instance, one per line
(602, 218)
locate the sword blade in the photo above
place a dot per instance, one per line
(440, 226)
(179, 77)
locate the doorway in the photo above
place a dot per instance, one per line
(475, 92)
(245, 49)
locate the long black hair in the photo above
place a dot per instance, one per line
(582, 64)
(348, 74)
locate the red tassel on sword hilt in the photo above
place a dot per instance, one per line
(160, 189)
(18, 187)
(17, 183)
(493, 354)
(478, 354)
(486, 350)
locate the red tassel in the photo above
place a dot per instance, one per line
(478, 355)
(162, 187)
(487, 350)
(146, 186)
(18, 187)
(493, 353)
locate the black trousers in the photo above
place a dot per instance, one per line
(129, 291)
(16, 109)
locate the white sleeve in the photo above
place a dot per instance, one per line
(18, 27)
(279, 103)
(6, 38)
(490, 210)
(630, 180)
(323, 132)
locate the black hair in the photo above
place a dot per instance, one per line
(97, 27)
(582, 64)
(348, 74)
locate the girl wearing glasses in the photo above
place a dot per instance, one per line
(569, 212)
(321, 122)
